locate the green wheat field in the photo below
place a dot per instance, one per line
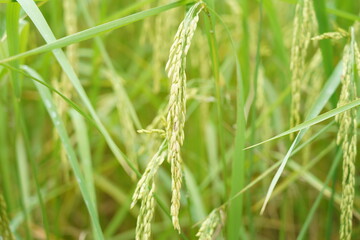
(190, 119)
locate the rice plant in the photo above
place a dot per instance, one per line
(188, 119)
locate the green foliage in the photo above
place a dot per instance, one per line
(84, 111)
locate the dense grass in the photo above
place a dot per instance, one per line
(79, 79)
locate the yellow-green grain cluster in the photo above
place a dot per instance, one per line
(211, 225)
(303, 29)
(5, 232)
(144, 191)
(357, 58)
(347, 139)
(143, 224)
(331, 35)
(175, 68)
(152, 131)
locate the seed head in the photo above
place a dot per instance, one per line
(5, 231)
(304, 26)
(175, 68)
(347, 139)
(214, 221)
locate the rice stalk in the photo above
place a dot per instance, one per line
(304, 26)
(70, 23)
(64, 85)
(175, 68)
(347, 139)
(5, 232)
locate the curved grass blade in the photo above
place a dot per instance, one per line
(275, 165)
(58, 123)
(71, 103)
(324, 96)
(83, 143)
(21, 148)
(115, 81)
(318, 199)
(34, 203)
(210, 27)
(81, 132)
(235, 211)
(12, 29)
(299, 171)
(38, 19)
(312, 121)
(195, 201)
(325, 45)
(85, 34)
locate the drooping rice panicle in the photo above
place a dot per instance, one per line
(357, 58)
(148, 177)
(212, 224)
(144, 191)
(347, 138)
(143, 224)
(5, 232)
(331, 35)
(175, 68)
(304, 26)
